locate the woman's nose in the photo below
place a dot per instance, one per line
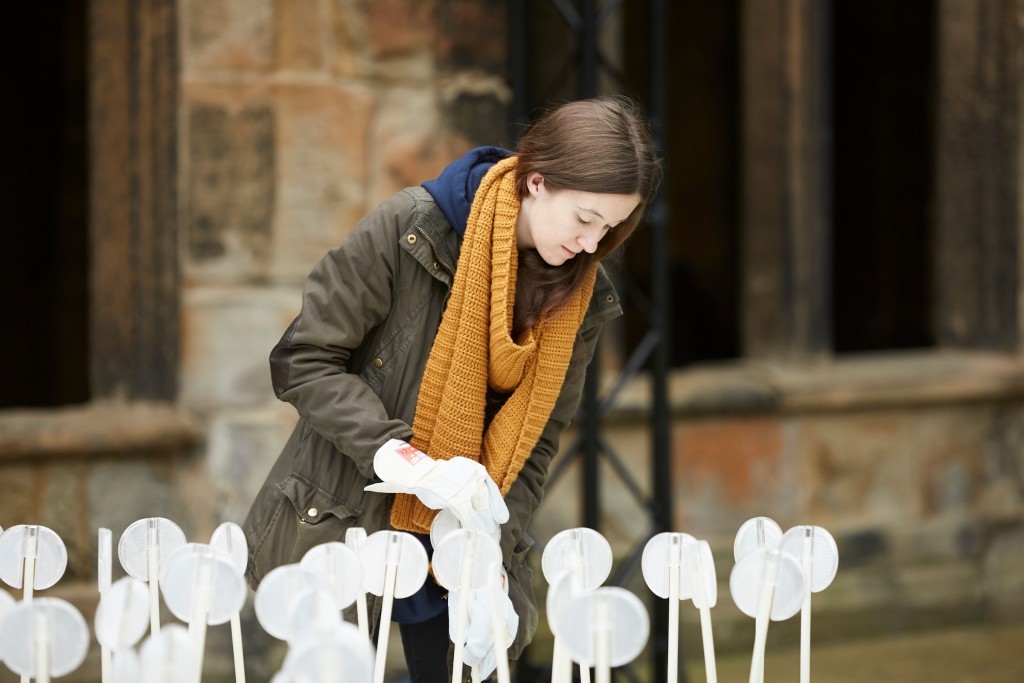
(589, 242)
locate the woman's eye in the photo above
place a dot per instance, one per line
(580, 219)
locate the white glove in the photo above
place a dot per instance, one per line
(480, 650)
(459, 484)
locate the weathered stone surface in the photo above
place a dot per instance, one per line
(472, 34)
(397, 27)
(410, 140)
(302, 30)
(230, 185)
(322, 158)
(228, 34)
(228, 335)
(350, 49)
(242, 448)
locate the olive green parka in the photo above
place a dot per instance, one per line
(351, 364)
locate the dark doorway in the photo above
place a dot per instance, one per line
(701, 157)
(883, 156)
(44, 259)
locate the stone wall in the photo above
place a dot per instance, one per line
(297, 117)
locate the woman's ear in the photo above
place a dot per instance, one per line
(534, 183)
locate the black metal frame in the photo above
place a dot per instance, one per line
(586, 18)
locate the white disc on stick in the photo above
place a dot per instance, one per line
(824, 554)
(339, 566)
(123, 614)
(412, 562)
(275, 593)
(662, 552)
(354, 538)
(342, 656)
(51, 622)
(151, 532)
(748, 580)
(311, 612)
(125, 666)
(580, 550)
(448, 556)
(43, 545)
(230, 540)
(226, 589)
(560, 593)
(626, 618)
(169, 656)
(757, 533)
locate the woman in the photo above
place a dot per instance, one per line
(441, 351)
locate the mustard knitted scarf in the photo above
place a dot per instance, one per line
(474, 349)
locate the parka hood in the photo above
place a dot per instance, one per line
(454, 189)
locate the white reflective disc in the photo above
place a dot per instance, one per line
(122, 617)
(310, 613)
(124, 666)
(354, 538)
(50, 622)
(821, 549)
(275, 593)
(339, 566)
(384, 547)
(701, 565)
(465, 544)
(560, 593)
(230, 539)
(580, 550)
(749, 577)
(755, 534)
(39, 542)
(157, 532)
(209, 575)
(620, 612)
(169, 656)
(660, 553)
(342, 656)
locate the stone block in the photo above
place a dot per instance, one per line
(121, 492)
(1003, 580)
(19, 502)
(227, 337)
(349, 45)
(399, 27)
(471, 34)
(228, 35)
(302, 33)
(241, 450)
(322, 158)
(65, 509)
(725, 471)
(229, 184)
(412, 142)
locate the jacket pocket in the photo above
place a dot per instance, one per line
(520, 592)
(302, 516)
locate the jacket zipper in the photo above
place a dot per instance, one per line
(433, 249)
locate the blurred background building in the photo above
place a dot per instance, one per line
(843, 254)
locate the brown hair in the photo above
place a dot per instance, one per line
(601, 145)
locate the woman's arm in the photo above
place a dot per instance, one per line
(349, 292)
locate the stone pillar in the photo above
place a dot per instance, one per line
(976, 273)
(133, 132)
(786, 171)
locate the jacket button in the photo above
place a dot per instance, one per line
(411, 239)
(436, 266)
(378, 363)
(312, 512)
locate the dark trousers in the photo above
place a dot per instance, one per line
(426, 649)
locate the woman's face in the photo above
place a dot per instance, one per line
(561, 223)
